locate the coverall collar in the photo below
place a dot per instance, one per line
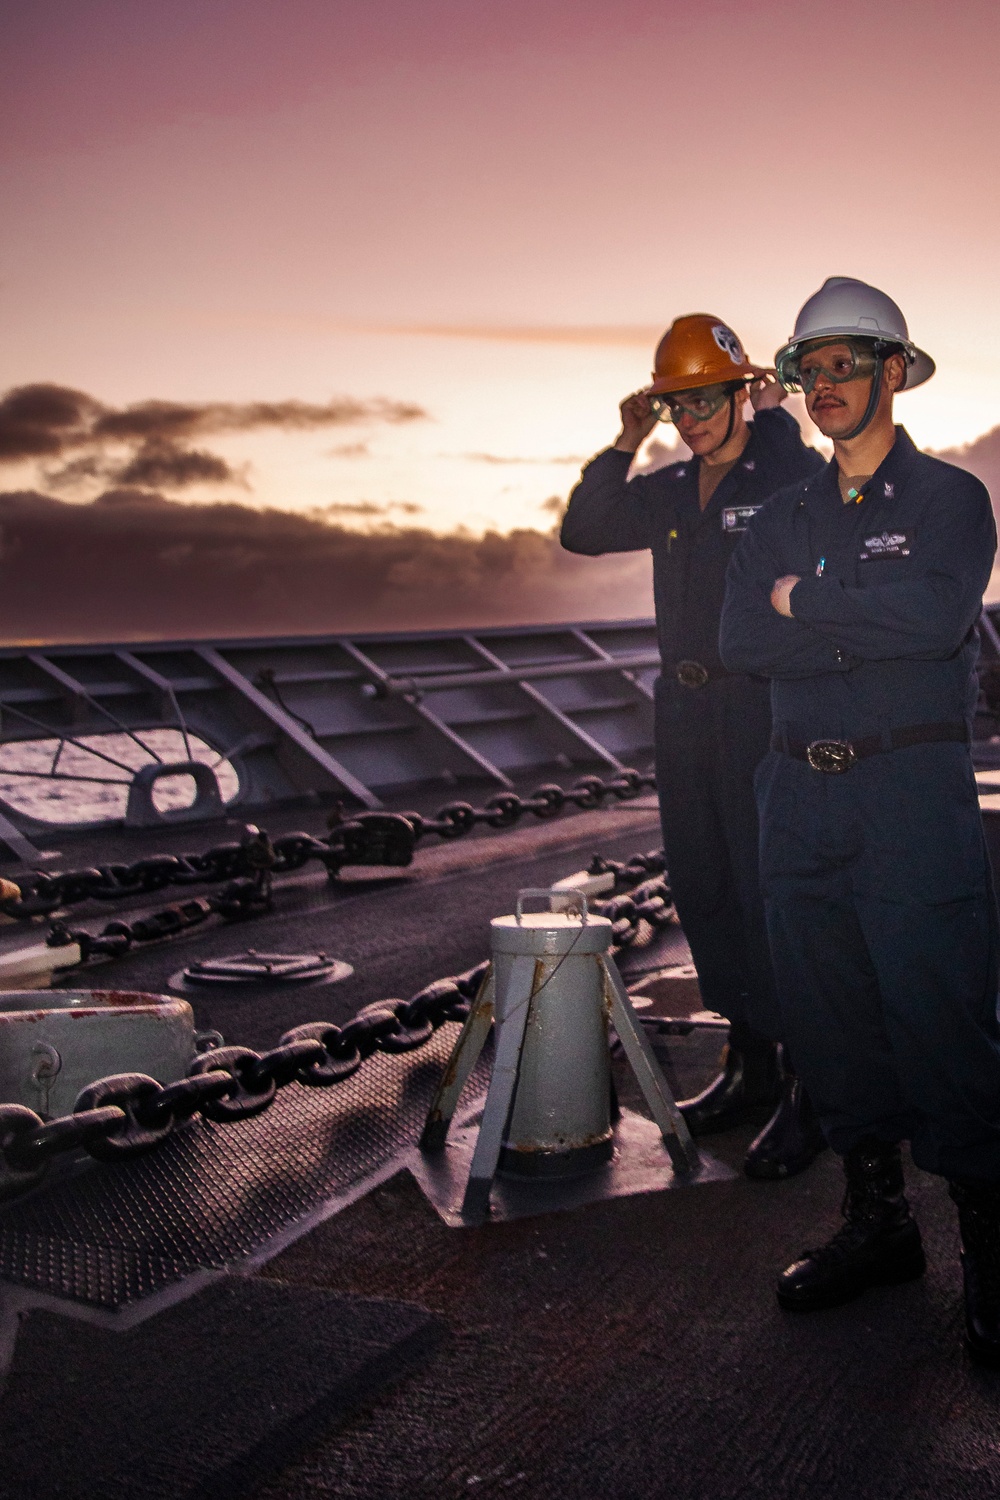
(894, 470)
(746, 462)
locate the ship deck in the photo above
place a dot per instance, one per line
(630, 1347)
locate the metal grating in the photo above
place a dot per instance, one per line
(213, 1194)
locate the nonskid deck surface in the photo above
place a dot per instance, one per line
(630, 1348)
(634, 1349)
(211, 1195)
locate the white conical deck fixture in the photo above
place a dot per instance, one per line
(552, 990)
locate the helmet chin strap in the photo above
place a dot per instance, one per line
(873, 400)
(731, 425)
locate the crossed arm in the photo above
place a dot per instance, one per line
(783, 625)
(758, 638)
(926, 613)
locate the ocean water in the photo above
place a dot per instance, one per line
(87, 780)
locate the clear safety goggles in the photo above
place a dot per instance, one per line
(701, 404)
(837, 360)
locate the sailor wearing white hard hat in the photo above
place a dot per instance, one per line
(857, 592)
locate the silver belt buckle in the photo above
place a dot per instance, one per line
(832, 756)
(691, 674)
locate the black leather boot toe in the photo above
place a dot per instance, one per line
(879, 1244)
(979, 1221)
(790, 1141)
(748, 1088)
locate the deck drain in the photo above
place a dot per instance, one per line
(264, 970)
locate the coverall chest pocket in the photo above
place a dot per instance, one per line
(885, 553)
(736, 518)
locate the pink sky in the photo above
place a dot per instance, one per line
(230, 198)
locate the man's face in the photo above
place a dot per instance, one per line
(836, 405)
(701, 434)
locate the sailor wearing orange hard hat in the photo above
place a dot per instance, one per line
(712, 727)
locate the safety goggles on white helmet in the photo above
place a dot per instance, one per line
(838, 359)
(843, 310)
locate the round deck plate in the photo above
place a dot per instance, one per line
(272, 971)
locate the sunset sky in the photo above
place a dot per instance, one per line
(486, 210)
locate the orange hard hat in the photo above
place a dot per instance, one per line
(699, 350)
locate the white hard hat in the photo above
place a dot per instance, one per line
(853, 309)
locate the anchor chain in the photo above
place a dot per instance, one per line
(640, 900)
(238, 901)
(128, 1114)
(370, 838)
(644, 900)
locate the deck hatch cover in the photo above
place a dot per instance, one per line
(273, 969)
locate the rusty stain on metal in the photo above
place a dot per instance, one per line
(595, 1138)
(126, 997)
(450, 1071)
(125, 1030)
(449, 1075)
(107, 1002)
(606, 991)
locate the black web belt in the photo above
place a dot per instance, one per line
(836, 756)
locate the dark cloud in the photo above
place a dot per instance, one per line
(981, 458)
(134, 564)
(79, 471)
(155, 464)
(369, 508)
(354, 508)
(53, 422)
(130, 496)
(502, 458)
(172, 467)
(172, 420)
(41, 421)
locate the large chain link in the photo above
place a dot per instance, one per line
(128, 1114)
(246, 898)
(645, 895)
(239, 900)
(366, 839)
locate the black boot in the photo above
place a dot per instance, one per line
(748, 1088)
(979, 1221)
(790, 1141)
(879, 1244)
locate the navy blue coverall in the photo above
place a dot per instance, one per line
(876, 880)
(709, 739)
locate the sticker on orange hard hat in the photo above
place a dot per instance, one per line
(698, 350)
(728, 342)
